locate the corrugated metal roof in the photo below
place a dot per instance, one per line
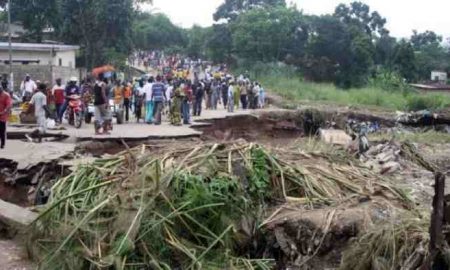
(37, 47)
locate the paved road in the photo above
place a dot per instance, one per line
(29, 154)
(133, 130)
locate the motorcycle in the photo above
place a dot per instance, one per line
(75, 111)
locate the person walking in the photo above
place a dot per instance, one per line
(208, 93)
(198, 95)
(250, 96)
(236, 96)
(215, 96)
(224, 90)
(118, 99)
(127, 94)
(5, 109)
(27, 88)
(243, 94)
(101, 112)
(158, 98)
(255, 91)
(39, 102)
(187, 100)
(231, 97)
(262, 97)
(139, 95)
(175, 108)
(148, 87)
(58, 93)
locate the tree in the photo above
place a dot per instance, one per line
(358, 14)
(429, 54)
(404, 61)
(197, 37)
(156, 31)
(36, 16)
(219, 43)
(346, 50)
(384, 51)
(427, 38)
(100, 27)
(266, 34)
(231, 9)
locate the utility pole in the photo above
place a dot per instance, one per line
(11, 76)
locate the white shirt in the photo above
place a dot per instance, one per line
(140, 91)
(169, 91)
(230, 91)
(148, 91)
(39, 100)
(256, 90)
(28, 87)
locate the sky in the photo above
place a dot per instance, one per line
(403, 16)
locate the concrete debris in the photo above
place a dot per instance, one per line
(424, 117)
(383, 158)
(14, 218)
(335, 136)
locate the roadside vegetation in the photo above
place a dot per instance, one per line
(385, 90)
(295, 89)
(428, 137)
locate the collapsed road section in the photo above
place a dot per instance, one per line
(257, 191)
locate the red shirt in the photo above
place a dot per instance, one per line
(58, 93)
(5, 102)
(188, 93)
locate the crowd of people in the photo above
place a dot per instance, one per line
(180, 91)
(181, 96)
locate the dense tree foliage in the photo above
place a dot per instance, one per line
(231, 9)
(155, 31)
(36, 16)
(103, 28)
(348, 47)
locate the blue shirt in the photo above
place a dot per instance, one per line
(72, 90)
(158, 91)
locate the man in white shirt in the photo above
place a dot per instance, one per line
(27, 87)
(169, 91)
(39, 100)
(231, 97)
(148, 101)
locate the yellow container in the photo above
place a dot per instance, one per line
(13, 118)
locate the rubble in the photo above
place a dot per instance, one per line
(193, 207)
(335, 136)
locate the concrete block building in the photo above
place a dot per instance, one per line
(44, 62)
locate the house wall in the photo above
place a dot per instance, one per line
(42, 73)
(67, 59)
(442, 76)
(44, 57)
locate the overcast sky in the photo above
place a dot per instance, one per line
(403, 15)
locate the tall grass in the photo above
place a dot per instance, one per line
(295, 89)
(285, 81)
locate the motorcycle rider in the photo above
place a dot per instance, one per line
(71, 89)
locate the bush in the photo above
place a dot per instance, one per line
(387, 89)
(261, 69)
(417, 102)
(389, 81)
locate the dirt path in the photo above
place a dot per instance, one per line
(13, 257)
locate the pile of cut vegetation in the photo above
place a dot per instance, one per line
(212, 206)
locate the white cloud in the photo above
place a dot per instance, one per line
(403, 15)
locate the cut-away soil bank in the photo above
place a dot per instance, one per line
(194, 204)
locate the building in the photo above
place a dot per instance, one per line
(439, 76)
(44, 62)
(39, 54)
